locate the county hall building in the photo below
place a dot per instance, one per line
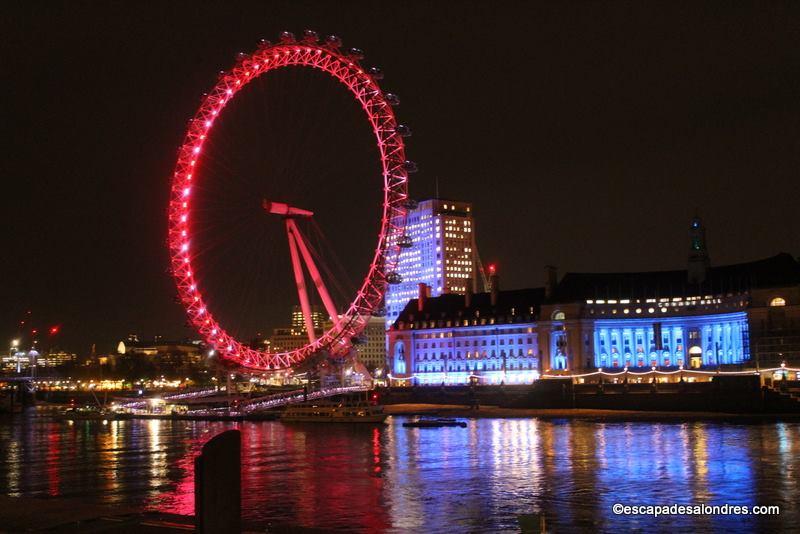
(727, 317)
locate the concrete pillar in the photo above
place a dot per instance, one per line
(218, 485)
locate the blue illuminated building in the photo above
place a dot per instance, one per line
(712, 318)
(440, 252)
(486, 338)
(694, 341)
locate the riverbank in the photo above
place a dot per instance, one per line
(459, 410)
(22, 514)
(68, 515)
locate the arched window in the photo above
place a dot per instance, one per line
(778, 301)
(399, 358)
(558, 316)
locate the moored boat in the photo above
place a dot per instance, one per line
(434, 423)
(347, 411)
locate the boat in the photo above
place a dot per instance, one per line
(347, 411)
(434, 423)
(100, 412)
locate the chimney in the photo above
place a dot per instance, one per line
(424, 293)
(494, 284)
(551, 280)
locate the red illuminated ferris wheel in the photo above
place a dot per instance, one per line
(343, 65)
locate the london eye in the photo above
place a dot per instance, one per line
(347, 315)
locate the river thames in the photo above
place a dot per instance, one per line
(393, 479)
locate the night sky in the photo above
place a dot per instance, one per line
(585, 134)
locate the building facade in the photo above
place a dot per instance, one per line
(318, 318)
(441, 253)
(168, 353)
(489, 338)
(729, 317)
(371, 348)
(18, 361)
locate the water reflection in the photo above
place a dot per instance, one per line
(395, 479)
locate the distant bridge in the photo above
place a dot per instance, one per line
(28, 378)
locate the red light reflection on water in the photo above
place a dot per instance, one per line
(291, 476)
(53, 464)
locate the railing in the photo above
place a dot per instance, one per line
(301, 397)
(141, 403)
(268, 398)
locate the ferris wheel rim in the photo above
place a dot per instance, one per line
(364, 87)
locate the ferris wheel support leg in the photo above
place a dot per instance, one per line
(299, 279)
(327, 301)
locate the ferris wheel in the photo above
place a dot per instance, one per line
(347, 321)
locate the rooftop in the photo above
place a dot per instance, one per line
(516, 302)
(776, 271)
(780, 270)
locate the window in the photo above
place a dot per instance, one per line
(778, 301)
(558, 316)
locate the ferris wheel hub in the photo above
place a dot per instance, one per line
(281, 208)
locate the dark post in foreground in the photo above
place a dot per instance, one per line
(218, 484)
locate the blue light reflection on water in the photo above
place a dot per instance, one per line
(395, 479)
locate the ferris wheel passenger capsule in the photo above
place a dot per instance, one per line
(392, 99)
(287, 37)
(410, 204)
(405, 242)
(264, 43)
(356, 53)
(402, 130)
(310, 37)
(394, 278)
(410, 166)
(375, 72)
(333, 41)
